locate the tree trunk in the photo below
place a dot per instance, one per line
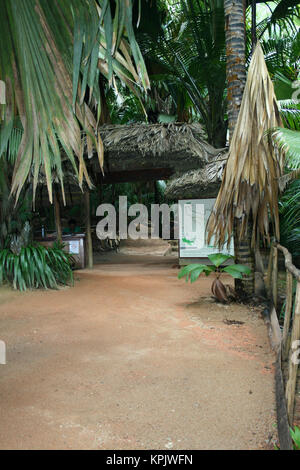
(57, 216)
(156, 192)
(105, 114)
(88, 233)
(244, 254)
(235, 54)
(236, 78)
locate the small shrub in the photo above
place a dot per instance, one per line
(220, 291)
(35, 266)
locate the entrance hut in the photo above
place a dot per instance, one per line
(138, 152)
(149, 152)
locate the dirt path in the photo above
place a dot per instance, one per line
(132, 358)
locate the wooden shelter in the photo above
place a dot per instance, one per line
(145, 152)
(148, 152)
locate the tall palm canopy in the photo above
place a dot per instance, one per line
(250, 182)
(188, 56)
(52, 55)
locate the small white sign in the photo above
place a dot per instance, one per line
(193, 217)
(74, 247)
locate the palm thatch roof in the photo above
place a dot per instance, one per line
(144, 152)
(202, 183)
(178, 146)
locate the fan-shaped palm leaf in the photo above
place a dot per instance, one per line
(289, 141)
(53, 55)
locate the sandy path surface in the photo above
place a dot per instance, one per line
(132, 358)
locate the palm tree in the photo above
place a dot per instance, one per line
(54, 54)
(249, 189)
(236, 76)
(187, 58)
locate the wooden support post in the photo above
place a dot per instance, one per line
(293, 364)
(275, 276)
(88, 233)
(287, 314)
(57, 216)
(269, 273)
(156, 192)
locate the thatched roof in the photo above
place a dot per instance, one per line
(145, 152)
(202, 183)
(178, 146)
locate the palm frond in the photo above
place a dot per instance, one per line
(289, 141)
(282, 55)
(250, 181)
(54, 54)
(190, 56)
(289, 213)
(290, 113)
(282, 17)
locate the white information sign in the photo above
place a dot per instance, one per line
(74, 247)
(193, 217)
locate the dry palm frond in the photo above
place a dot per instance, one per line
(286, 179)
(250, 182)
(53, 55)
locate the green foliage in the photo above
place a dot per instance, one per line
(36, 266)
(290, 114)
(289, 216)
(193, 271)
(283, 63)
(282, 17)
(282, 59)
(295, 435)
(13, 214)
(219, 258)
(289, 141)
(188, 58)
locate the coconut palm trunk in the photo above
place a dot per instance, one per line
(235, 54)
(236, 77)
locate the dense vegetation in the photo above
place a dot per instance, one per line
(123, 62)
